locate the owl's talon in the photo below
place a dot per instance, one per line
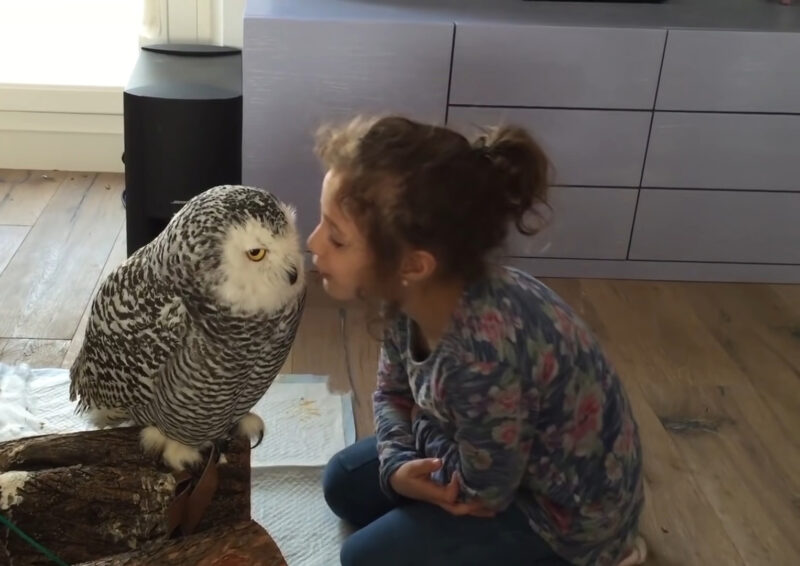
(179, 456)
(260, 438)
(176, 455)
(252, 426)
(222, 445)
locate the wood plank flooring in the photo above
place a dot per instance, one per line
(46, 285)
(712, 370)
(673, 343)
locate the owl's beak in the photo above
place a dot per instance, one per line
(291, 274)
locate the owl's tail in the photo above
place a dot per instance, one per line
(102, 418)
(80, 390)
(75, 379)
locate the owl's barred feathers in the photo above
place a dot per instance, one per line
(188, 334)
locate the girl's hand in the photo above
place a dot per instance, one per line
(474, 508)
(413, 480)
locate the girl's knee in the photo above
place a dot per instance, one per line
(334, 484)
(350, 484)
(358, 550)
(349, 555)
(350, 471)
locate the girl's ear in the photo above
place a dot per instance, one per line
(416, 266)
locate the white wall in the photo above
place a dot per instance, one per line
(73, 120)
(60, 127)
(196, 21)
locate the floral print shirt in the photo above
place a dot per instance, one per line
(519, 398)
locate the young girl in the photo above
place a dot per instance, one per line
(503, 432)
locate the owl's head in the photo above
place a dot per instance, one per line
(238, 246)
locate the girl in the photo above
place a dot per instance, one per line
(503, 432)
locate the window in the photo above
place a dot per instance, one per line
(69, 42)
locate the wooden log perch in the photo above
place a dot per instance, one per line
(94, 494)
(242, 544)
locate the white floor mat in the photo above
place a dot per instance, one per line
(306, 424)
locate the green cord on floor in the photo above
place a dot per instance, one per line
(32, 542)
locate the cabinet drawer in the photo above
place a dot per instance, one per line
(731, 71)
(724, 151)
(717, 226)
(293, 85)
(519, 65)
(587, 147)
(585, 223)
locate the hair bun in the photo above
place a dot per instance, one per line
(520, 174)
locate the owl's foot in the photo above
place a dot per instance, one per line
(252, 427)
(102, 418)
(176, 455)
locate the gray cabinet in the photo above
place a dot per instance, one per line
(300, 73)
(731, 71)
(717, 226)
(587, 147)
(525, 65)
(585, 223)
(674, 132)
(724, 151)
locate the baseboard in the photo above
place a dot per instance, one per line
(57, 127)
(659, 270)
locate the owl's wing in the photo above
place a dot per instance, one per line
(137, 325)
(282, 330)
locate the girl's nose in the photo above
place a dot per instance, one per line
(311, 239)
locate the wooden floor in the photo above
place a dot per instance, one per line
(713, 370)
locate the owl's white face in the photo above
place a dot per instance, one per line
(261, 270)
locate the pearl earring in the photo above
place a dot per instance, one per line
(404, 282)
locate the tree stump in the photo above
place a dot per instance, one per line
(242, 544)
(94, 494)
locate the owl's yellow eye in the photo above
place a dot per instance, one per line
(256, 254)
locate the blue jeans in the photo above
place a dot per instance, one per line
(416, 533)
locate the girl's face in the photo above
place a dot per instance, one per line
(340, 251)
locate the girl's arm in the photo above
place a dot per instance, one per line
(392, 403)
(433, 442)
(490, 449)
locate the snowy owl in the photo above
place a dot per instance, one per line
(190, 331)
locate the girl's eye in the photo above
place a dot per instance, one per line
(335, 243)
(256, 254)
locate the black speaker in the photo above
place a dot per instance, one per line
(183, 131)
